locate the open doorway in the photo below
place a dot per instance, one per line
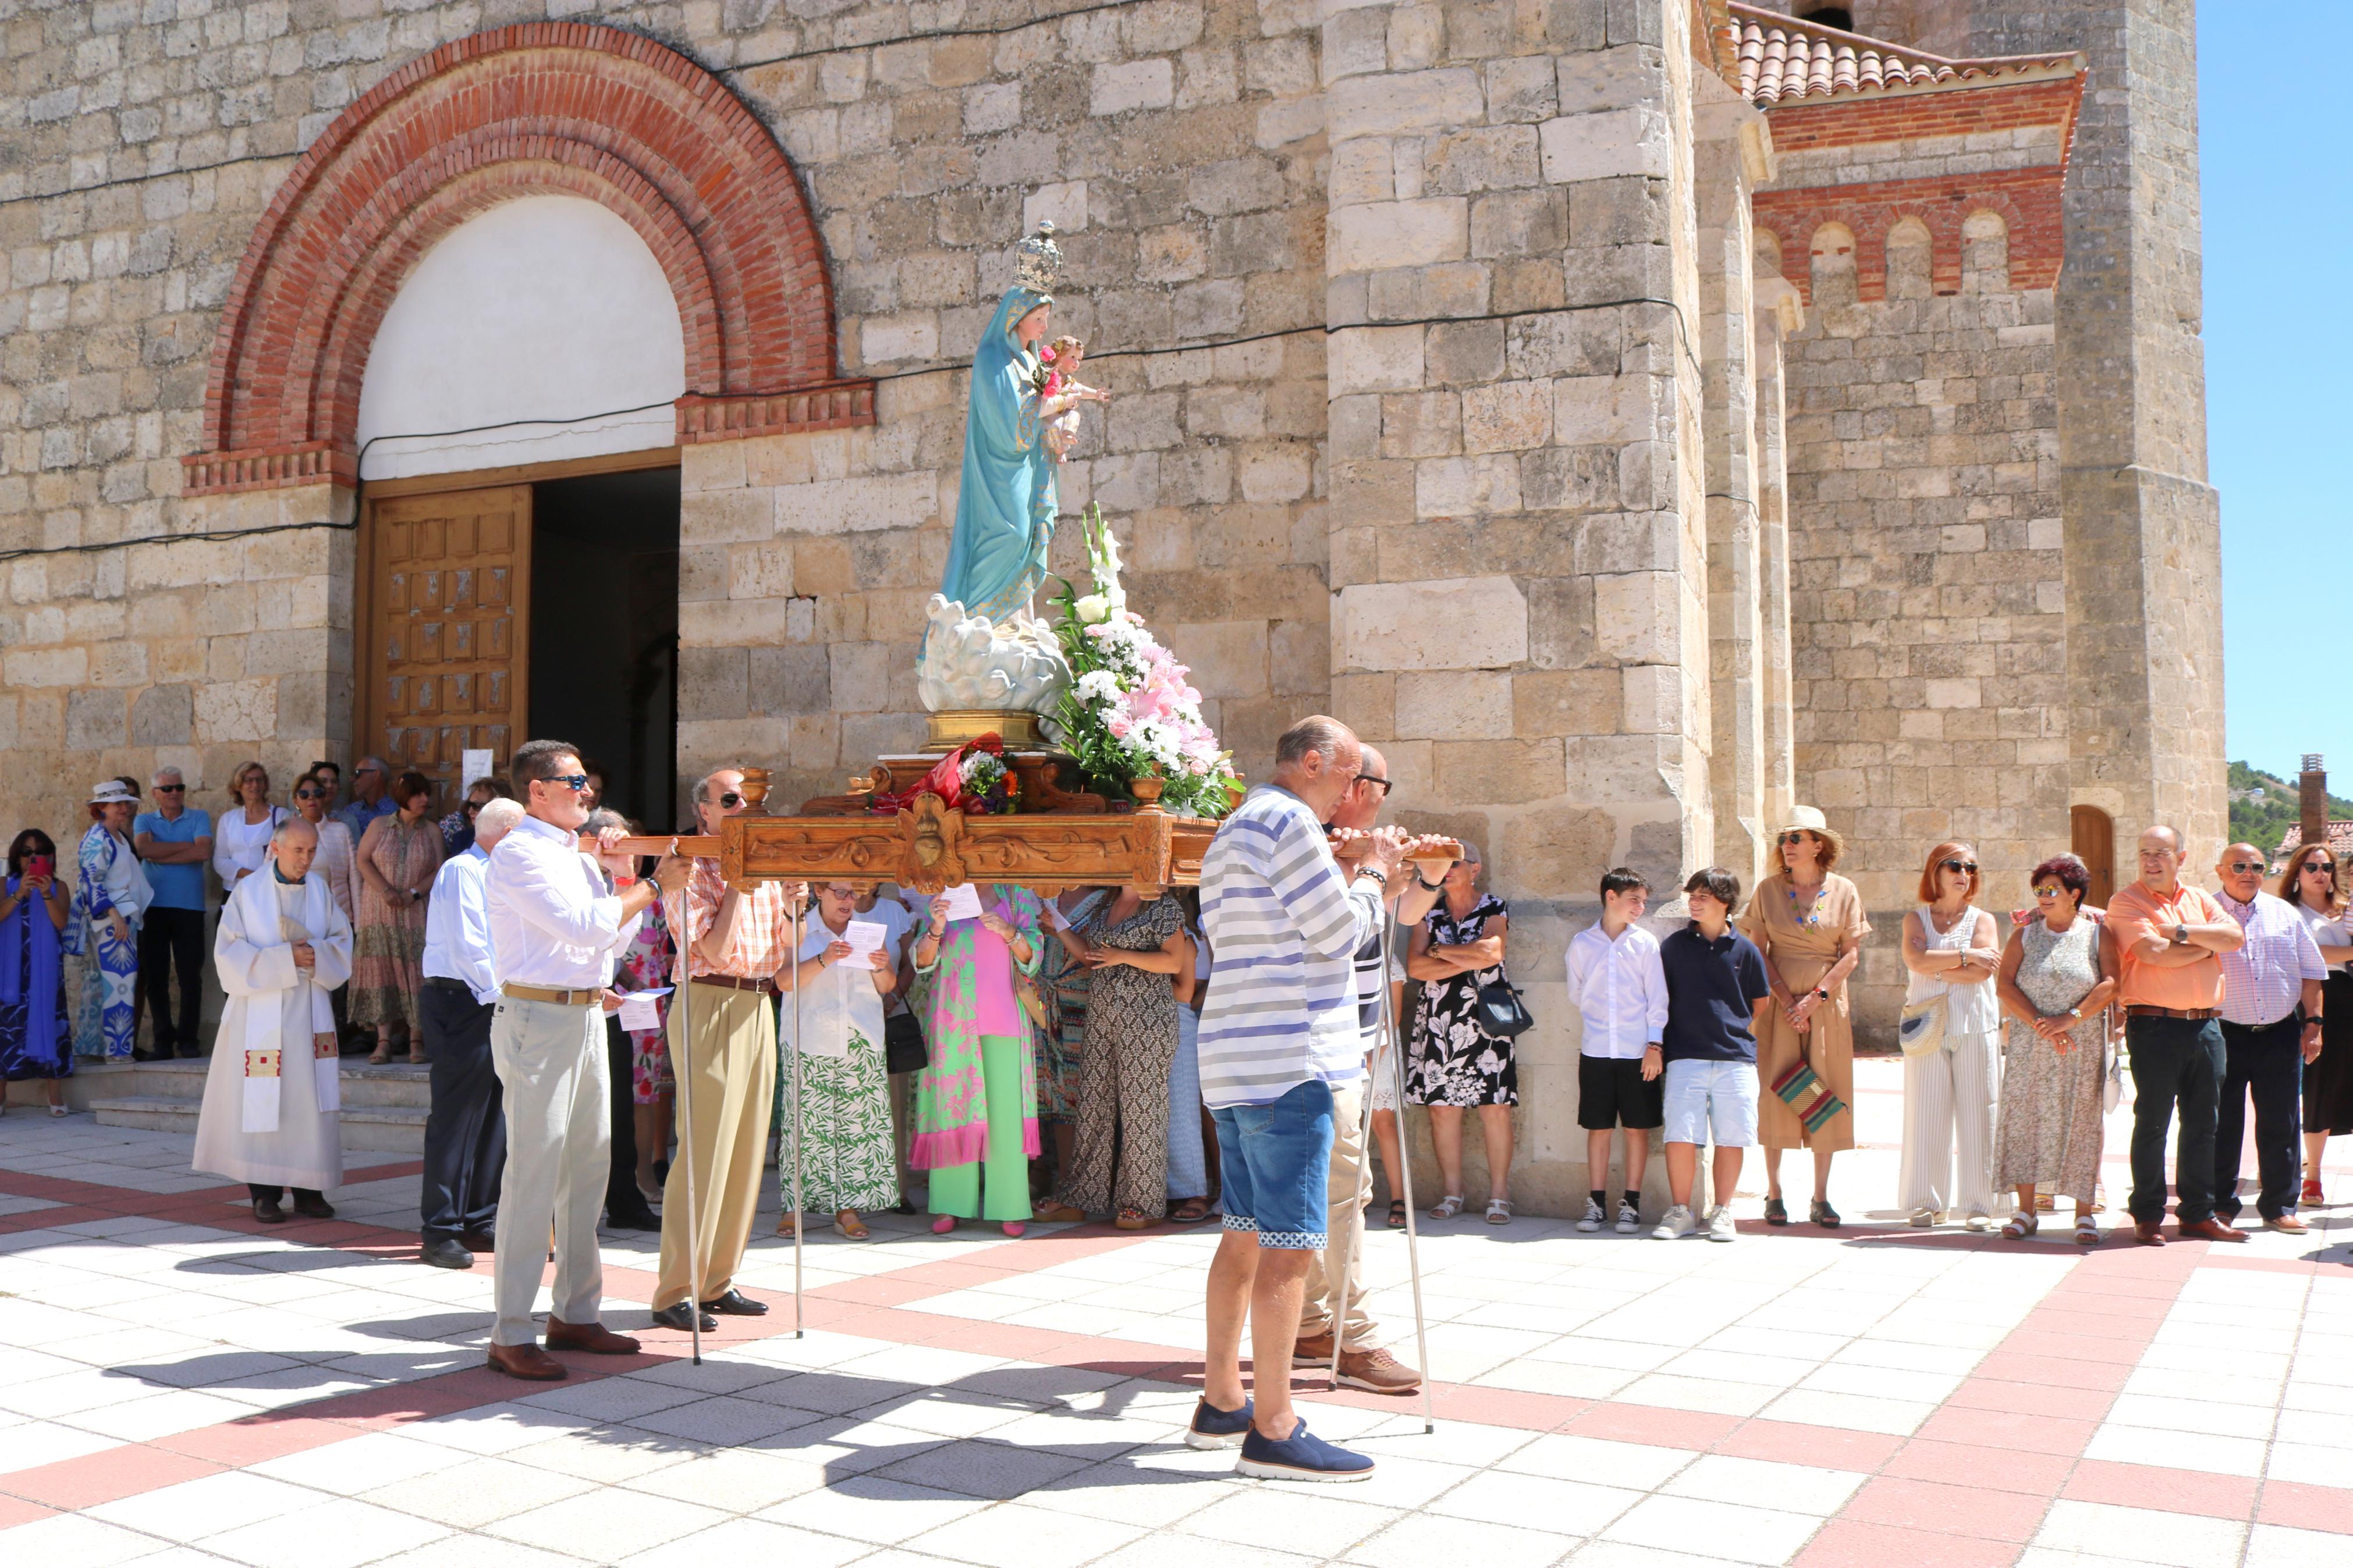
(604, 631)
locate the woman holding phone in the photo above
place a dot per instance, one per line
(35, 1037)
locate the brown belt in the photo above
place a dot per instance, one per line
(760, 988)
(549, 994)
(2191, 1013)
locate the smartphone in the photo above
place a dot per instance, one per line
(40, 866)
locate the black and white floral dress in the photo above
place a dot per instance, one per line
(1455, 1062)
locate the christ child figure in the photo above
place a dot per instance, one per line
(1061, 385)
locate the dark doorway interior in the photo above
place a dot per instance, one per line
(604, 631)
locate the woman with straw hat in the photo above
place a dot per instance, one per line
(1809, 924)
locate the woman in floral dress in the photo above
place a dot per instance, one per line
(849, 1160)
(111, 898)
(1456, 1063)
(2057, 976)
(398, 858)
(1063, 984)
(977, 1098)
(1134, 944)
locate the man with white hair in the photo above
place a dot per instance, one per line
(174, 840)
(465, 1132)
(271, 1096)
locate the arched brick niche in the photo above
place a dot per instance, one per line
(543, 108)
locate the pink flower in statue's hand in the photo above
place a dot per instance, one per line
(1046, 355)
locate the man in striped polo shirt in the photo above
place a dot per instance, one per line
(1278, 1030)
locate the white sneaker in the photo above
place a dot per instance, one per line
(1593, 1217)
(1675, 1224)
(1630, 1219)
(1719, 1224)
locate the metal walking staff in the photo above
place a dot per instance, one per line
(794, 906)
(1405, 1175)
(683, 1072)
(1363, 1185)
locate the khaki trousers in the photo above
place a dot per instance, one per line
(550, 1060)
(1344, 1226)
(733, 1060)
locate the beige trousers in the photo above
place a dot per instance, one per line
(733, 1060)
(1344, 1225)
(550, 1060)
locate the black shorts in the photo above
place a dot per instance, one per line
(1612, 1091)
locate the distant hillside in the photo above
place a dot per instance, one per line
(2263, 807)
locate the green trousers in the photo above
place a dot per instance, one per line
(958, 1189)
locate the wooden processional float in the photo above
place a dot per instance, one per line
(1064, 836)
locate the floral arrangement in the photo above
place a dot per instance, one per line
(989, 786)
(1129, 712)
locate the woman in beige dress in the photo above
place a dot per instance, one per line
(1809, 925)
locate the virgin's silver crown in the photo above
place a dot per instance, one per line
(1037, 260)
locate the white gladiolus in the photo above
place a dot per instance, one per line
(1094, 608)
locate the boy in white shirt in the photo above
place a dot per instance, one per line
(1615, 981)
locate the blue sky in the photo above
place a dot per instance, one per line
(2277, 173)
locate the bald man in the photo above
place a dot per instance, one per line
(2270, 1027)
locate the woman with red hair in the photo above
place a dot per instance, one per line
(1951, 1086)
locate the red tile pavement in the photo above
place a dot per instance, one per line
(2306, 1507)
(2054, 1370)
(1947, 1508)
(128, 1471)
(17, 1510)
(2000, 1429)
(2158, 1487)
(1855, 1543)
(2010, 1396)
(1832, 1448)
(2005, 1469)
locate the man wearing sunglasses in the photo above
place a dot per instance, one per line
(556, 934)
(2270, 1027)
(371, 782)
(2169, 941)
(174, 841)
(737, 938)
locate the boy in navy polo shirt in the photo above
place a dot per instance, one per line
(1717, 997)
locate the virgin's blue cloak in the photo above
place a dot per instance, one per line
(1005, 506)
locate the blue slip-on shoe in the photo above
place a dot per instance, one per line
(1301, 1456)
(1215, 1428)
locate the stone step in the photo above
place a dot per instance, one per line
(391, 1085)
(371, 1129)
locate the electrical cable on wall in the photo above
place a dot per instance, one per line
(1683, 333)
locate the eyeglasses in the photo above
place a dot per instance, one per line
(2241, 868)
(309, 795)
(1798, 837)
(729, 800)
(2319, 868)
(1966, 868)
(576, 782)
(2047, 892)
(171, 789)
(1370, 779)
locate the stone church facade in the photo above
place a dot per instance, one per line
(1636, 417)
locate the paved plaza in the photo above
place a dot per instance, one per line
(185, 1386)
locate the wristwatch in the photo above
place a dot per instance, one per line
(2076, 1014)
(2181, 935)
(1823, 994)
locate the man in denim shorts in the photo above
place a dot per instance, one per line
(1279, 1029)
(1717, 997)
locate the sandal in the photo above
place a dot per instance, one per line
(2021, 1226)
(1498, 1211)
(2087, 1231)
(1134, 1219)
(1821, 1213)
(847, 1222)
(1775, 1212)
(1192, 1211)
(60, 1111)
(944, 1224)
(1448, 1207)
(380, 1056)
(416, 1060)
(1051, 1213)
(1396, 1213)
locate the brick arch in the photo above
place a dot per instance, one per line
(2027, 199)
(537, 109)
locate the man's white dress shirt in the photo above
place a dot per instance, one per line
(551, 922)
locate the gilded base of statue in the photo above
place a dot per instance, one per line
(953, 726)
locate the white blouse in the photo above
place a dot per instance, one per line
(1968, 1009)
(242, 846)
(2327, 931)
(334, 862)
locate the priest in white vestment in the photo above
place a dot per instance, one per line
(273, 1091)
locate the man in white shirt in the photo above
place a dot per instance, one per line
(1619, 989)
(465, 1130)
(556, 934)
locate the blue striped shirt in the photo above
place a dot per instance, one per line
(1283, 927)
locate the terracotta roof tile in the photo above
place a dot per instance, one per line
(1782, 60)
(2340, 841)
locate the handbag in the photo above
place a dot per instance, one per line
(2112, 1080)
(1501, 1013)
(1922, 1030)
(903, 1047)
(1808, 1095)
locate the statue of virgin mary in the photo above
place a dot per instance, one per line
(1005, 506)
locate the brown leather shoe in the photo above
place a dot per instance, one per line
(2212, 1230)
(594, 1339)
(1312, 1350)
(1377, 1371)
(2286, 1222)
(2149, 1232)
(527, 1362)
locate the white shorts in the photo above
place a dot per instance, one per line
(1705, 1097)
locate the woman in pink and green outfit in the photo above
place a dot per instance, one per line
(977, 1099)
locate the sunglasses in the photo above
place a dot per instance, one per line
(309, 795)
(2047, 892)
(171, 789)
(729, 800)
(1966, 868)
(2319, 868)
(2241, 868)
(1799, 837)
(1368, 778)
(576, 782)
